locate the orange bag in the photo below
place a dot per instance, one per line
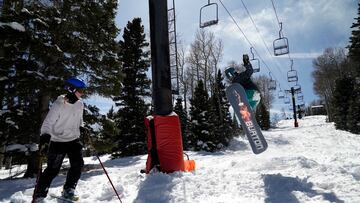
(189, 165)
(164, 137)
(164, 142)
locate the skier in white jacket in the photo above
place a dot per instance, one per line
(61, 131)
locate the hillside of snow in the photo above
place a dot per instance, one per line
(312, 163)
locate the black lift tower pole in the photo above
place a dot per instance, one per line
(160, 58)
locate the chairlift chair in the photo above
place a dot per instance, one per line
(272, 83)
(281, 45)
(301, 105)
(287, 100)
(210, 22)
(292, 74)
(297, 88)
(255, 63)
(300, 96)
(281, 94)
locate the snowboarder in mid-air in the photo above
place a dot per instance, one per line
(243, 77)
(244, 96)
(60, 133)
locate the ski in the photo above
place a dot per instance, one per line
(236, 95)
(63, 198)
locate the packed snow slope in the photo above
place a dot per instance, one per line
(311, 163)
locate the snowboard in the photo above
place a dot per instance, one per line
(236, 95)
(63, 199)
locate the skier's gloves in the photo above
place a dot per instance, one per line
(246, 59)
(44, 143)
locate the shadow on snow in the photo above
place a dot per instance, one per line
(279, 189)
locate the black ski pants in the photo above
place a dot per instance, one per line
(55, 157)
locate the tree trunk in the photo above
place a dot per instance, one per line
(328, 109)
(34, 160)
(8, 161)
(2, 151)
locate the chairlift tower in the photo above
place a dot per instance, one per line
(160, 60)
(163, 126)
(293, 91)
(174, 69)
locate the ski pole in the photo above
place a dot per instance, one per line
(117, 194)
(102, 165)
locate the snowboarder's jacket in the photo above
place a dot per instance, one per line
(244, 78)
(63, 120)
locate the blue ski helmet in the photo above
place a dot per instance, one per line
(74, 84)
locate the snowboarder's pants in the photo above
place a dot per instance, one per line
(55, 157)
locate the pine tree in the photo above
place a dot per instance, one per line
(200, 126)
(220, 117)
(111, 113)
(180, 111)
(50, 43)
(262, 116)
(237, 129)
(131, 139)
(105, 140)
(353, 116)
(354, 48)
(342, 95)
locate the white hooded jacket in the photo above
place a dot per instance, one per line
(63, 121)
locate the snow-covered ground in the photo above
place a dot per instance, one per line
(312, 163)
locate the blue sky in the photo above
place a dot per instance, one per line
(310, 26)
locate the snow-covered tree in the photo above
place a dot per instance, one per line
(181, 112)
(353, 116)
(342, 95)
(262, 115)
(132, 103)
(220, 117)
(42, 44)
(200, 126)
(354, 47)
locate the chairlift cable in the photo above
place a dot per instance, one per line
(277, 17)
(262, 38)
(279, 24)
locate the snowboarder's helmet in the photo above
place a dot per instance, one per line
(230, 73)
(73, 84)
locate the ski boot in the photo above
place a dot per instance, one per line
(69, 194)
